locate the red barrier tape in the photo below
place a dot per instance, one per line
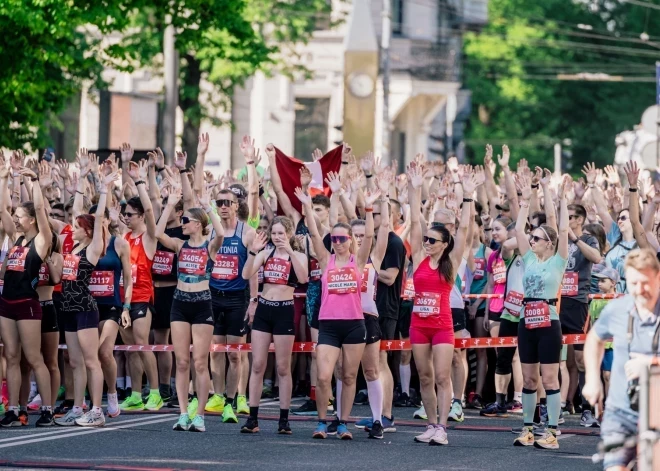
(606, 296)
(386, 345)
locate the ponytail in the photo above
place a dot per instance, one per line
(445, 265)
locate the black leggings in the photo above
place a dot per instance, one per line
(505, 354)
(542, 345)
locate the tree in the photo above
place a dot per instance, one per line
(512, 68)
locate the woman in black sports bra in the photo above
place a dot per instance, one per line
(20, 301)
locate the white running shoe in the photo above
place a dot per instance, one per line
(69, 419)
(427, 435)
(439, 438)
(420, 413)
(113, 406)
(90, 419)
(35, 404)
(456, 412)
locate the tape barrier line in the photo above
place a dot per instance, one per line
(386, 345)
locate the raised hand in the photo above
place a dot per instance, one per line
(247, 147)
(438, 167)
(270, 151)
(367, 163)
(4, 171)
(589, 171)
(612, 175)
(385, 179)
(488, 157)
(333, 181)
(415, 176)
(305, 176)
(632, 172)
(537, 175)
(109, 165)
(304, 198)
(503, 160)
(470, 183)
(452, 164)
(566, 185)
(26, 172)
(316, 155)
(110, 178)
(133, 171)
(144, 169)
(479, 174)
(547, 177)
(579, 188)
(94, 164)
(17, 159)
(259, 242)
(203, 143)
(45, 179)
(205, 199)
(180, 160)
(451, 203)
(126, 152)
(371, 197)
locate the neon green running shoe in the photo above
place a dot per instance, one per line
(192, 407)
(154, 401)
(60, 393)
(132, 402)
(216, 403)
(242, 405)
(228, 415)
(198, 424)
(2, 408)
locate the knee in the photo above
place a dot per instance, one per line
(106, 356)
(92, 362)
(324, 378)
(234, 358)
(530, 383)
(283, 370)
(13, 357)
(549, 383)
(200, 365)
(52, 365)
(371, 373)
(183, 363)
(349, 378)
(426, 380)
(443, 381)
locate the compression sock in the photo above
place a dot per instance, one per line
(500, 398)
(254, 412)
(529, 404)
(404, 373)
(284, 414)
(554, 407)
(375, 389)
(338, 398)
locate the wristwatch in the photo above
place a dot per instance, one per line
(254, 300)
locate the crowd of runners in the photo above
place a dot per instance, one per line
(98, 254)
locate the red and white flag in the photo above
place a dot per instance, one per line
(289, 170)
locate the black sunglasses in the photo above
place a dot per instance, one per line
(537, 238)
(221, 203)
(622, 218)
(431, 240)
(186, 220)
(573, 216)
(339, 239)
(129, 215)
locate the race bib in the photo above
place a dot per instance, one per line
(133, 276)
(260, 275)
(426, 304)
(342, 281)
(537, 314)
(102, 283)
(163, 263)
(314, 270)
(193, 261)
(480, 268)
(569, 284)
(16, 258)
(515, 298)
(44, 275)
(408, 289)
(225, 267)
(499, 272)
(277, 271)
(70, 270)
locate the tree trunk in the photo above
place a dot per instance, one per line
(189, 103)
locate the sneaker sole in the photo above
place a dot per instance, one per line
(116, 414)
(247, 430)
(462, 419)
(49, 424)
(309, 414)
(131, 408)
(345, 436)
(178, 428)
(389, 429)
(436, 443)
(285, 432)
(158, 407)
(214, 409)
(243, 411)
(376, 437)
(420, 417)
(417, 440)
(230, 420)
(195, 429)
(14, 424)
(542, 447)
(518, 443)
(320, 436)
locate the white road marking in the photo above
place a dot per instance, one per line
(111, 428)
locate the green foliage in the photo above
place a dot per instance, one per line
(511, 67)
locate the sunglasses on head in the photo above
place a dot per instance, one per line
(186, 220)
(221, 203)
(431, 240)
(537, 238)
(622, 218)
(339, 239)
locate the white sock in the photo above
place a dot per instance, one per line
(121, 383)
(129, 383)
(338, 398)
(97, 411)
(375, 399)
(404, 374)
(517, 396)
(77, 410)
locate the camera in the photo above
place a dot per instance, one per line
(633, 394)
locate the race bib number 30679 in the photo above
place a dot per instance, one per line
(426, 304)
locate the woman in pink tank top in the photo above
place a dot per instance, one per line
(341, 321)
(436, 257)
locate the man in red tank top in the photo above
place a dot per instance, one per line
(139, 217)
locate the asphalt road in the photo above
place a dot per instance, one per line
(146, 442)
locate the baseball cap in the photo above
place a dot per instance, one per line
(238, 190)
(503, 206)
(610, 273)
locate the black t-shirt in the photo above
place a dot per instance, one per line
(388, 298)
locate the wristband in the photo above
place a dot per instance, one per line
(140, 182)
(524, 204)
(185, 170)
(645, 201)
(468, 200)
(80, 192)
(209, 209)
(344, 162)
(591, 185)
(36, 179)
(160, 169)
(250, 252)
(254, 300)
(368, 176)
(519, 193)
(632, 190)
(127, 306)
(250, 162)
(535, 186)
(103, 192)
(22, 182)
(488, 229)
(369, 210)
(261, 190)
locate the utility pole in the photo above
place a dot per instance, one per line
(558, 160)
(385, 65)
(171, 59)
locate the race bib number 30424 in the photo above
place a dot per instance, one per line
(342, 280)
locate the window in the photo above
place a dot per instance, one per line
(397, 17)
(311, 126)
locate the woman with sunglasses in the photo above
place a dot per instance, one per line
(436, 259)
(545, 256)
(342, 327)
(284, 267)
(191, 317)
(20, 311)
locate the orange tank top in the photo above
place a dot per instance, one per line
(143, 286)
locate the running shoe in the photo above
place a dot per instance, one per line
(266, 391)
(62, 409)
(343, 433)
(321, 431)
(242, 405)
(439, 437)
(475, 401)
(388, 424)
(35, 403)
(402, 401)
(183, 424)
(364, 424)
(90, 419)
(515, 407)
(132, 402)
(197, 424)
(588, 419)
(568, 408)
(113, 406)
(540, 430)
(420, 414)
(561, 419)
(165, 392)
(283, 427)
(307, 408)
(427, 435)
(332, 427)
(173, 403)
(216, 403)
(192, 407)
(494, 410)
(32, 395)
(2, 408)
(145, 392)
(60, 393)
(362, 399)
(543, 413)
(69, 419)
(122, 394)
(526, 437)
(251, 426)
(376, 430)
(12, 420)
(154, 401)
(456, 412)
(548, 441)
(228, 415)
(45, 419)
